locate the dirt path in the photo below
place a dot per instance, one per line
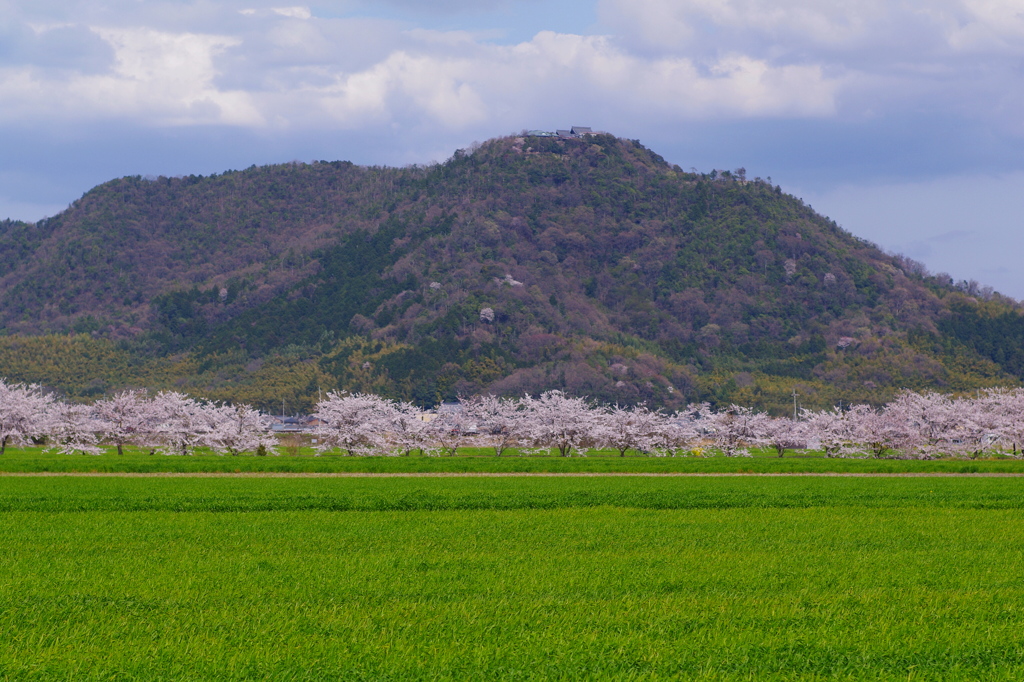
(270, 474)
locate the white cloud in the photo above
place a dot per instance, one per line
(293, 12)
(706, 25)
(554, 70)
(831, 25)
(158, 78)
(257, 65)
(990, 26)
(667, 60)
(437, 87)
(957, 57)
(452, 79)
(732, 85)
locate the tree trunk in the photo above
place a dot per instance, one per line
(3, 445)
(120, 449)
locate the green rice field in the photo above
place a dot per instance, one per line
(739, 578)
(480, 460)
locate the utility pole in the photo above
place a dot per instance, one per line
(794, 403)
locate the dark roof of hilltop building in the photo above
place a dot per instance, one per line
(564, 133)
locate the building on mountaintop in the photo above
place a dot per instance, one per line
(564, 133)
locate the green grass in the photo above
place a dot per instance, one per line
(583, 578)
(62, 495)
(478, 460)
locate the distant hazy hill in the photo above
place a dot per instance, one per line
(528, 263)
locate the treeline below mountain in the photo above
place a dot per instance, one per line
(527, 264)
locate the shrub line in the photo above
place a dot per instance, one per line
(509, 474)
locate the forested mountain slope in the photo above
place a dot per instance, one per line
(527, 263)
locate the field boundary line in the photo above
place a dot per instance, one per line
(509, 474)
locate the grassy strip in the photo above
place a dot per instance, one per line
(475, 460)
(451, 494)
(846, 593)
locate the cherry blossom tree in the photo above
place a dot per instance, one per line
(446, 432)
(831, 429)
(555, 420)
(357, 423)
(239, 428)
(125, 418)
(636, 428)
(943, 426)
(938, 420)
(407, 428)
(25, 412)
(1008, 405)
(927, 424)
(736, 428)
(884, 431)
(684, 430)
(181, 423)
(780, 433)
(986, 424)
(73, 428)
(501, 421)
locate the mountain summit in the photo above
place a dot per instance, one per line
(583, 262)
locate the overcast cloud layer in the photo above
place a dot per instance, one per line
(875, 111)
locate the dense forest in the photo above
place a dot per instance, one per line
(524, 264)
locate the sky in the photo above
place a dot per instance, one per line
(903, 120)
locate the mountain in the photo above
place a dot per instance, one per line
(526, 263)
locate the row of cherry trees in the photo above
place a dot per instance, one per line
(169, 422)
(915, 425)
